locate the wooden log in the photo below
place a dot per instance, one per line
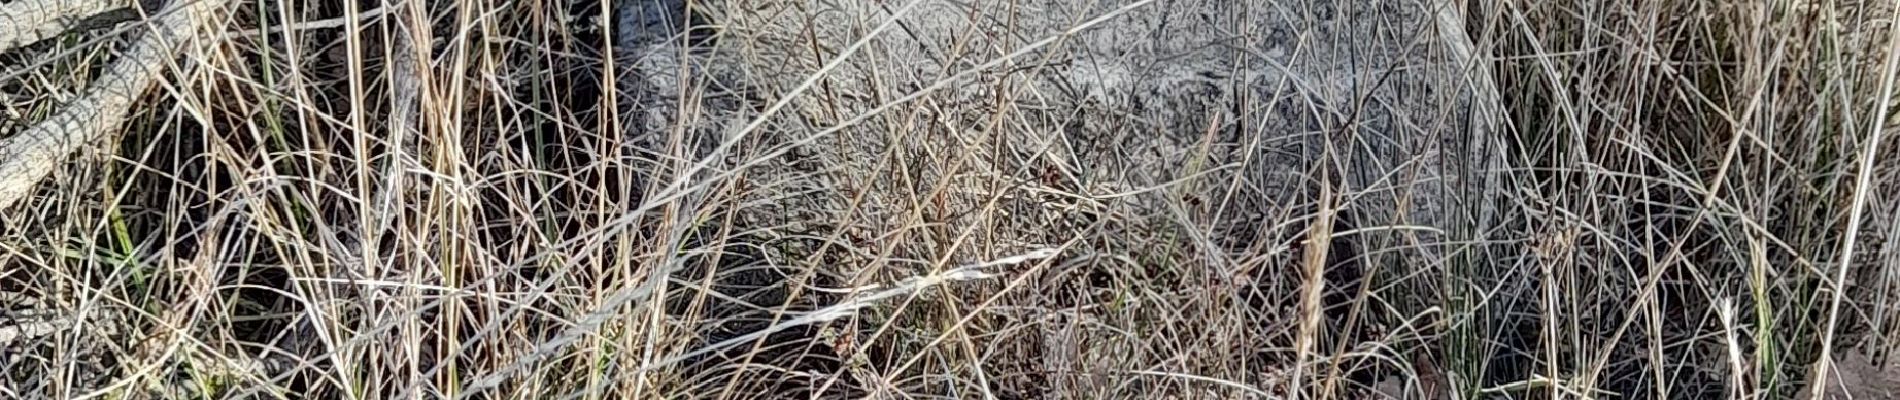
(27, 158)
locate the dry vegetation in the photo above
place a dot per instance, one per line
(911, 199)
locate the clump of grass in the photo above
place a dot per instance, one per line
(1686, 157)
(921, 198)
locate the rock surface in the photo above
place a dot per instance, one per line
(1237, 103)
(966, 131)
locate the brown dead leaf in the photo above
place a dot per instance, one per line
(1431, 383)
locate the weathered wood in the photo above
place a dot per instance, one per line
(24, 22)
(27, 158)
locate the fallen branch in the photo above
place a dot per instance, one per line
(29, 21)
(27, 158)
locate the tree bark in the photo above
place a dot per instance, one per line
(27, 158)
(29, 21)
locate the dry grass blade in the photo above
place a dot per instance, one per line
(1865, 171)
(1319, 238)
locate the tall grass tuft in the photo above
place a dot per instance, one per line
(996, 199)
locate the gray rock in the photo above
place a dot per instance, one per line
(1191, 134)
(1150, 96)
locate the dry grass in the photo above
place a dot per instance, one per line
(961, 199)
